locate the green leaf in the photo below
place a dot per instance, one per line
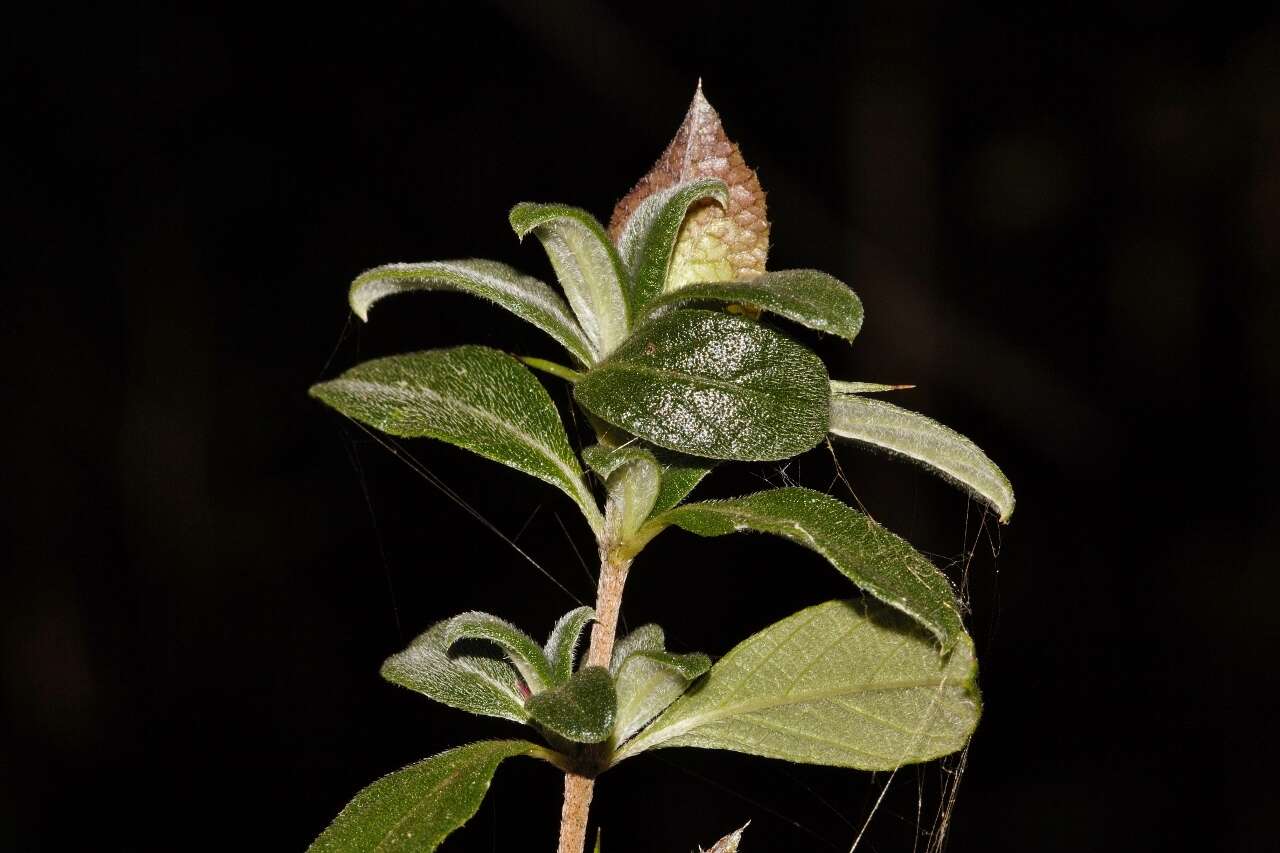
(709, 384)
(414, 809)
(526, 297)
(581, 710)
(869, 555)
(808, 297)
(841, 387)
(474, 397)
(649, 238)
(845, 683)
(586, 264)
(680, 475)
(649, 678)
(563, 642)
(479, 683)
(939, 448)
(525, 654)
(634, 478)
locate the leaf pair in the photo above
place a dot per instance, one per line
(649, 678)
(578, 706)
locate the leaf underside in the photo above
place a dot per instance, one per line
(528, 298)
(471, 396)
(875, 559)
(414, 809)
(939, 448)
(705, 383)
(845, 683)
(649, 678)
(478, 680)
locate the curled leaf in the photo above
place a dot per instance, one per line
(715, 244)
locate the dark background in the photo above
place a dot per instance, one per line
(1065, 227)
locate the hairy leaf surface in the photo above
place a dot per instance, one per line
(878, 561)
(709, 384)
(479, 683)
(471, 396)
(728, 844)
(587, 265)
(845, 683)
(679, 474)
(582, 709)
(634, 478)
(525, 655)
(563, 642)
(937, 447)
(808, 297)
(648, 242)
(414, 809)
(526, 297)
(649, 678)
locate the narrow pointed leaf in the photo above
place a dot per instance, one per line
(728, 844)
(529, 299)
(842, 387)
(525, 654)
(716, 242)
(587, 265)
(414, 809)
(582, 709)
(649, 678)
(563, 642)
(709, 384)
(648, 243)
(845, 683)
(808, 297)
(479, 682)
(878, 561)
(474, 397)
(937, 447)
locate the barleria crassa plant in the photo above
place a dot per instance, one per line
(676, 370)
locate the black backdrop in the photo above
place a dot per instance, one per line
(1064, 227)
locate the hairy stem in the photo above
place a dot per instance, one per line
(578, 787)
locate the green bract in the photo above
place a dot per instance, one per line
(674, 373)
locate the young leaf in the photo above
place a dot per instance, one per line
(648, 242)
(582, 710)
(634, 478)
(471, 396)
(842, 387)
(714, 244)
(939, 448)
(845, 683)
(808, 297)
(873, 558)
(728, 844)
(563, 642)
(475, 683)
(709, 384)
(679, 475)
(586, 264)
(649, 678)
(526, 297)
(414, 809)
(525, 654)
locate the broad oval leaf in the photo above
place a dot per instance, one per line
(937, 447)
(582, 710)
(649, 678)
(808, 297)
(845, 683)
(875, 559)
(526, 297)
(414, 809)
(525, 655)
(648, 242)
(587, 265)
(471, 396)
(709, 384)
(563, 642)
(478, 683)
